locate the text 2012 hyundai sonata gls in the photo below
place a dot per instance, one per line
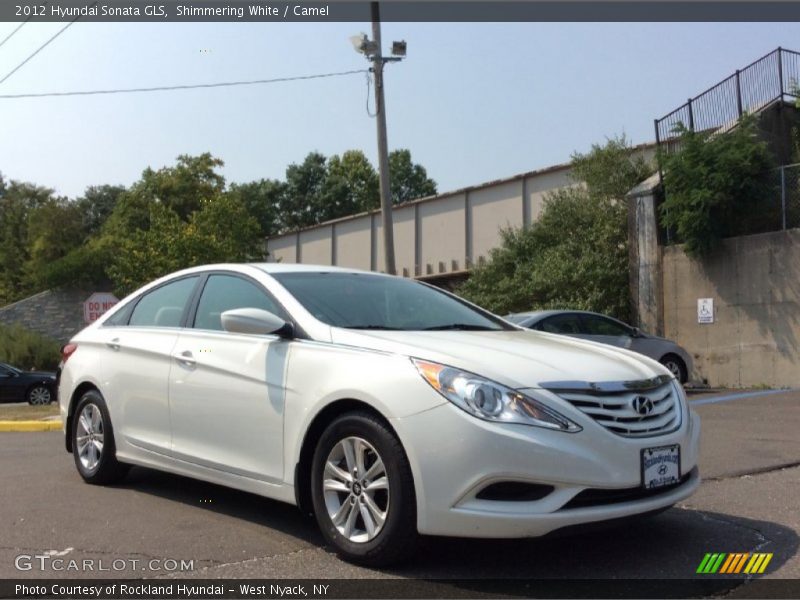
(387, 407)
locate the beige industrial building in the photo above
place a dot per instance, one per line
(436, 237)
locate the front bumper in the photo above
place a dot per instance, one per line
(454, 456)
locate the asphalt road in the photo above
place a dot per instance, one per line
(748, 502)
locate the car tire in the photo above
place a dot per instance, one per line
(93, 445)
(676, 366)
(39, 395)
(373, 526)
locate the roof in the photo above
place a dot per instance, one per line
(304, 268)
(486, 184)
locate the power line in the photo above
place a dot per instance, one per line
(166, 88)
(40, 48)
(21, 25)
(10, 35)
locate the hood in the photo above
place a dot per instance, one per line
(518, 359)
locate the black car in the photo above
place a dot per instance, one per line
(33, 387)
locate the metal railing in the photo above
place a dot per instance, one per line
(751, 89)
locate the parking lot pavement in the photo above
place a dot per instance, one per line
(747, 503)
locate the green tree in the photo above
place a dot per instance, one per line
(186, 187)
(262, 200)
(718, 186)
(222, 231)
(409, 180)
(305, 183)
(351, 185)
(97, 204)
(576, 254)
(17, 202)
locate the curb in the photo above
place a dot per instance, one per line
(30, 425)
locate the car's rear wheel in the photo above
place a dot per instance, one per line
(363, 491)
(93, 445)
(676, 366)
(39, 395)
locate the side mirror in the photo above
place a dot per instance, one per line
(635, 332)
(254, 321)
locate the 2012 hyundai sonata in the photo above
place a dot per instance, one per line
(387, 407)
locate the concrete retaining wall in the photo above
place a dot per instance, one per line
(58, 314)
(755, 283)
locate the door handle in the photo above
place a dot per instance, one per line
(185, 358)
(113, 344)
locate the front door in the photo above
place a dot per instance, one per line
(227, 389)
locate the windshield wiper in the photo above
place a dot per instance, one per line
(461, 327)
(373, 327)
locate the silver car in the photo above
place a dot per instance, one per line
(606, 330)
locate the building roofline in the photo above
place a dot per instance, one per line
(462, 190)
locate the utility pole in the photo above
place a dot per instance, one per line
(371, 49)
(383, 145)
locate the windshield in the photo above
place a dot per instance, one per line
(364, 301)
(517, 318)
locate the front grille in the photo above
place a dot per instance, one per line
(632, 412)
(600, 497)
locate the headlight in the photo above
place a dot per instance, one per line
(488, 400)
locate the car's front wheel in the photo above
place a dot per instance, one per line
(93, 445)
(39, 395)
(363, 491)
(676, 366)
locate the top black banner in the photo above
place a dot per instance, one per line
(398, 10)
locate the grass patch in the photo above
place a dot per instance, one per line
(27, 413)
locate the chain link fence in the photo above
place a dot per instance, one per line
(779, 210)
(787, 182)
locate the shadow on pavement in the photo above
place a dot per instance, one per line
(233, 503)
(670, 545)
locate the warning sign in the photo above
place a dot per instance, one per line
(97, 304)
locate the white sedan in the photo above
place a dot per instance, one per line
(387, 407)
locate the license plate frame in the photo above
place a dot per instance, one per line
(660, 466)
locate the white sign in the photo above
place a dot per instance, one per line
(705, 310)
(97, 304)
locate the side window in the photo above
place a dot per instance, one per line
(163, 307)
(600, 326)
(119, 318)
(568, 324)
(4, 373)
(226, 292)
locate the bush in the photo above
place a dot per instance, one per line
(576, 255)
(26, 349)
(719, 186)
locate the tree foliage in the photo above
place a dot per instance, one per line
(177, 216)
(408, 179)
(576, 255)
(718, 186)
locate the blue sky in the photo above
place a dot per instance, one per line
(473, 102)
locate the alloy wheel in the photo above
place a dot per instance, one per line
(89, 436)
(356, 489)
(39, 396)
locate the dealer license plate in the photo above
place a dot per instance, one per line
(661, 466)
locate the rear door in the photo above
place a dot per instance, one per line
(606, 331)
(226, 389)
(564, 323)
(135, 359)
(8, 389)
